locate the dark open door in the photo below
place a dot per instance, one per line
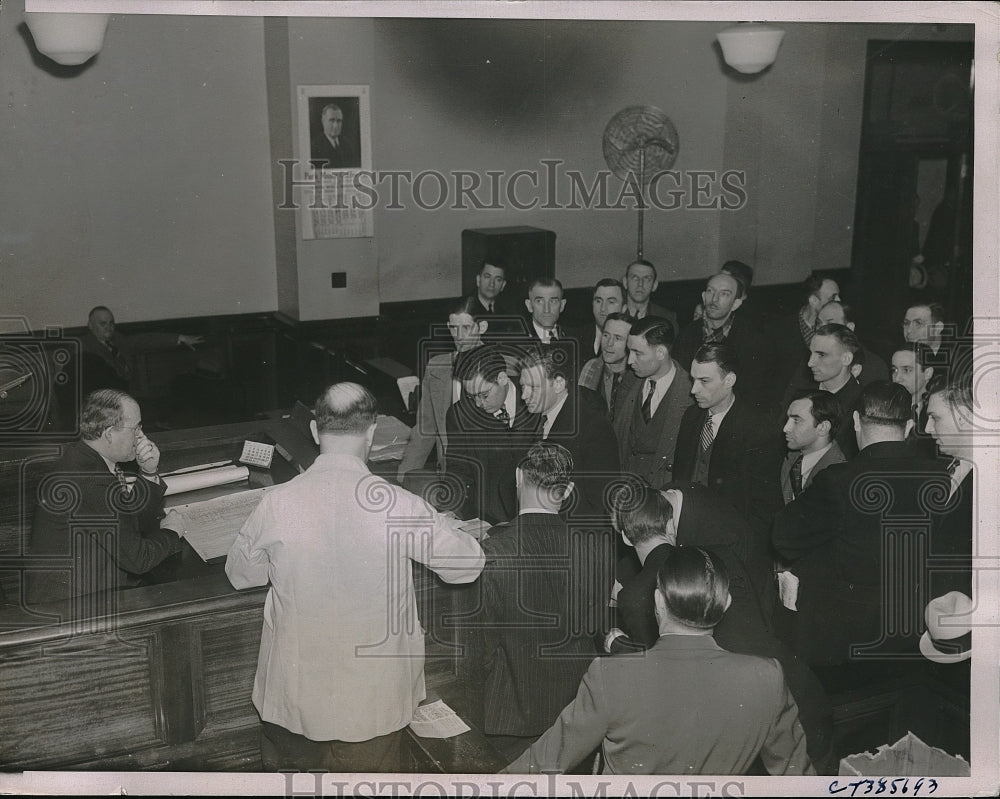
(913, 224)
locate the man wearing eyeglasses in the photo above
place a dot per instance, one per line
(101, 526)
(488, 432)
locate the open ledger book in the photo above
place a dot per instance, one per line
(212, 524)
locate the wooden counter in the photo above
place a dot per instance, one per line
(163, 678)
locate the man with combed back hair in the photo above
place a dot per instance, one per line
(113, 529)
(529, 632)
(341, 665)
(686, 706)
(859, 570)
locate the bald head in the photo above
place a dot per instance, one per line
(345, 409)
(101, 322)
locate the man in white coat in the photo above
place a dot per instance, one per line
(341, 664)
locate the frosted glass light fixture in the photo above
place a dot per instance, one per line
(66, 38)
(750, 47)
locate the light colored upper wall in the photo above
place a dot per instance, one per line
(503, 96)
(142, 182)
(145, 182)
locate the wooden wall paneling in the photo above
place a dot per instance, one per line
(73, 704)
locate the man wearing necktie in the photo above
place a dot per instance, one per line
(951, 421)
(649, 411)
(545, 303)
(608, 374)
(114, 529)
(812, 425)
(440, 388)
(575, 418)
(864, 542)
(488, 432)
(726, 444)
(333, 147)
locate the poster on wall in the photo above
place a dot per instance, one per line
(334, 147)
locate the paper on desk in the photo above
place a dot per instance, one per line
(191, 481)
(391, 437)
(212, 524)
(437, 720)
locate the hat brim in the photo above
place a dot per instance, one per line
(929, 651)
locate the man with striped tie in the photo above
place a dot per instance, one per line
(726, 444)
(101, 526)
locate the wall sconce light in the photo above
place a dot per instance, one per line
(750, 47)
(66, 38)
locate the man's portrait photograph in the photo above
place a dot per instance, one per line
(335, 133)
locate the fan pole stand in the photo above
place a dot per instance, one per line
(642, 201)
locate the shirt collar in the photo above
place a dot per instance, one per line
(526, 511)
(550, 416)
(810, 459)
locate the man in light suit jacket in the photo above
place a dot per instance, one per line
(740, 705)
(440, 389)
(812, 425)
(736, 454)
(652, 407)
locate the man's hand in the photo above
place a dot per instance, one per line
(190, 341)
(174, 520)
(147, 455)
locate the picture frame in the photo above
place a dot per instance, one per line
(334, 145)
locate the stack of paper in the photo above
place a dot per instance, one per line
(391, 437)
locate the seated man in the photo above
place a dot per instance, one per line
(115, 529)
(530, 637)
(740, 706)
(488, 432)
(441, 388)
(109, 356)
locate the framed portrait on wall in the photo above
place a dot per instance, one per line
(334, 124)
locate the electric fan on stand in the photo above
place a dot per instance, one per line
(639, 142)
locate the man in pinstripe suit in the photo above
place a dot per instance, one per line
(529, 635)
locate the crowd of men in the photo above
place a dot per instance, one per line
(689, 523)
(774, 437)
